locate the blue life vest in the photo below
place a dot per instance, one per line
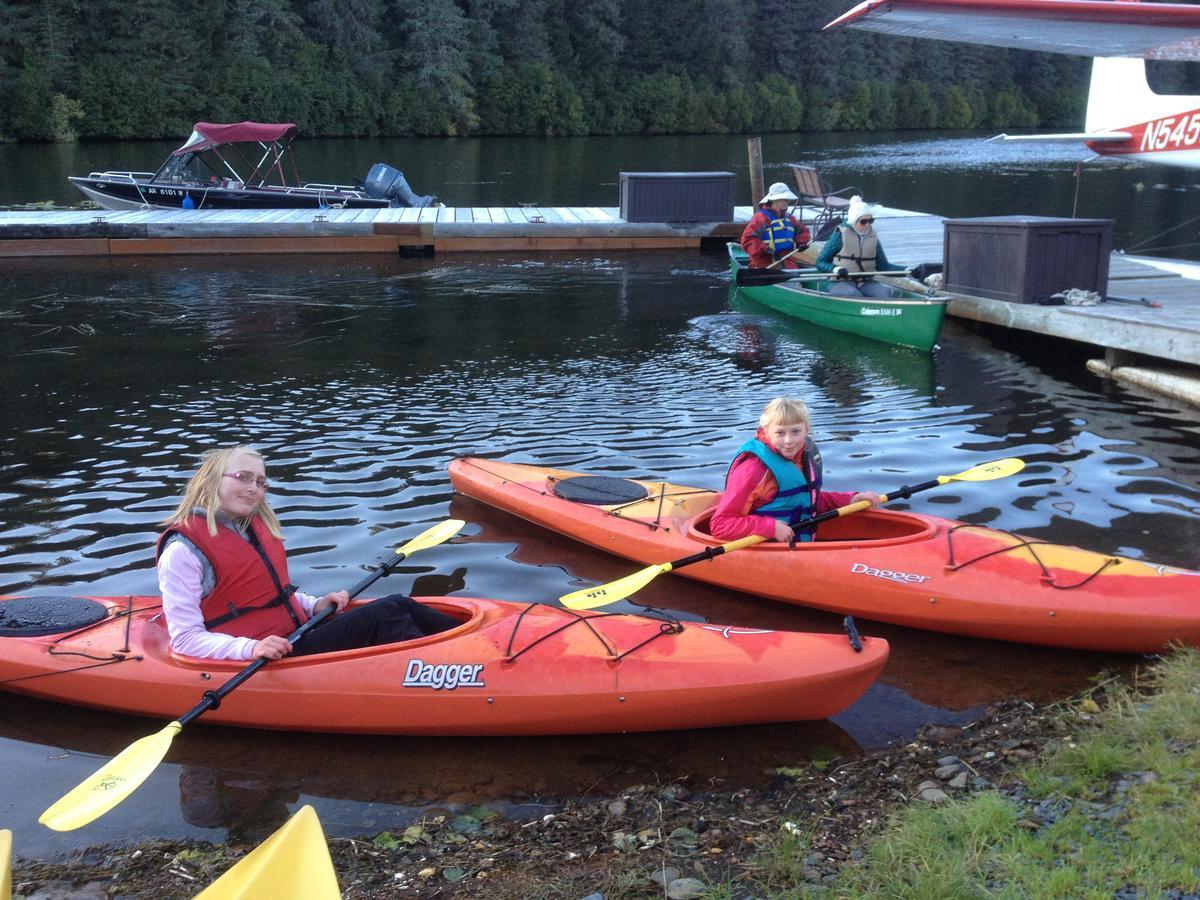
(799, 483)
(779, 233)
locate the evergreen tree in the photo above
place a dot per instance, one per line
(915, 107)
(594, 37)
(105, 68)
(432, 36)
(955, 112)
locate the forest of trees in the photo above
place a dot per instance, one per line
(73, 69)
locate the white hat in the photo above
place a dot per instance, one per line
(858, 209)
(778, 191)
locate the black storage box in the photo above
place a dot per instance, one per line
(677, 196)
(1023, 258)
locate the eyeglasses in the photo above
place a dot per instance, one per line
(866, 220)
(248, 479)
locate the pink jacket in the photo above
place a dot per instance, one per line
(734, 518)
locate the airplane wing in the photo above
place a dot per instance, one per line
(1124, 28)
(1092, 137)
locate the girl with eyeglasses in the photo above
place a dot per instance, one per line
(223, 576)
(852, 248)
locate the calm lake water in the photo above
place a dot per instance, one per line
(362, 377)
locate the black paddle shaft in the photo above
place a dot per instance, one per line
(212, 699)
(773, 276)
(706, 553)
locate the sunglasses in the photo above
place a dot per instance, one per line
(866, 220)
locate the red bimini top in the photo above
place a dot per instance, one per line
(206, 135)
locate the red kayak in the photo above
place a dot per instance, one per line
(508, 669)
(902, 567)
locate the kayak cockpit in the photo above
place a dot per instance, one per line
(874, 526)
(470, 616)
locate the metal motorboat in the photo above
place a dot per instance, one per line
(241, 166)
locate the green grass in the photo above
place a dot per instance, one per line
(1117, 827)
(1106, 824)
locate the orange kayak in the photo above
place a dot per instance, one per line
(508, 669)
(902, 567)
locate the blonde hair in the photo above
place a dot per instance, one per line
(202, 491)
(783, 411)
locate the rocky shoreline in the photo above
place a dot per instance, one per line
(674, 839)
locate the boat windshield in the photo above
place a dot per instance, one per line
(187, 168)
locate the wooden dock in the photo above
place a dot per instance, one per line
(436, 230)
(1156, 348)
(1128, 333)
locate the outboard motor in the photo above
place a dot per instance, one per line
(385, 183)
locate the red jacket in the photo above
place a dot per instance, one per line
(252, 597)
(760, 251)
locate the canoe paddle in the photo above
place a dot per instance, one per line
(122, 775)
(602, 595)
(782, 259)
(753, 277)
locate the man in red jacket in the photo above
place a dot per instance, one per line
(773, 233)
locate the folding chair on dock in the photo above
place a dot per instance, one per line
(831, 205)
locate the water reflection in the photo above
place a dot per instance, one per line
(838, 361)
(243, 782)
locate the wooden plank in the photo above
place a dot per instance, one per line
(550, 215)
(227, 247)
(567, 214)
(1164, 340)
(54, 247)
(600, 215)
(480, 214)
(499, 214)
(414, 231)
(410, 215)
(599, 242)
(436, 214)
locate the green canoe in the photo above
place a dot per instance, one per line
(906, 318)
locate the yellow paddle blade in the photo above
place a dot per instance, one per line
(292, 862)
(603, 594)
(112, 783)
(5, 864)
(431, 537)
(1001, 468)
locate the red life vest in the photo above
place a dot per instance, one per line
(252, 597)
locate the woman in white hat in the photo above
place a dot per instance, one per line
(852, 248)
(772, 234)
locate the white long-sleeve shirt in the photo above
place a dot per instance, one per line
(181, 577)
